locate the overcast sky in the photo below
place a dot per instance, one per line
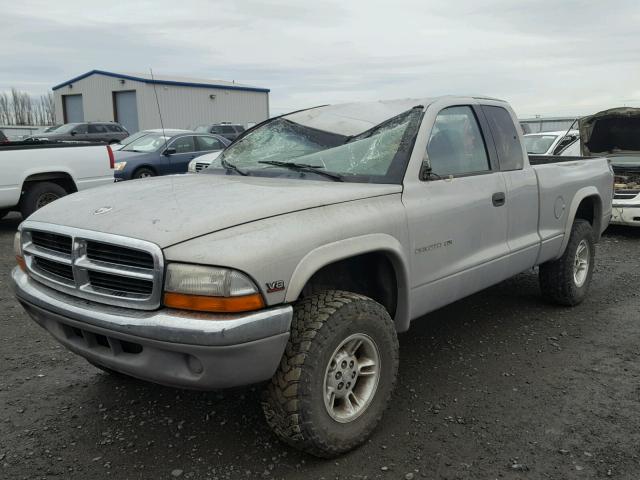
(546, 57)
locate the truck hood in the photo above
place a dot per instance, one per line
(616, 130)
(172, 209)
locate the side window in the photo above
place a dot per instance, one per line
(208, 143)
(81, 128)
(216, 129)
(228, 129)
(456, 145)
(183, 145)
(96, 128)
(505, 138)
(239, 128)
(114, 128)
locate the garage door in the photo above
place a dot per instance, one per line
(126, 110)
(73, 111)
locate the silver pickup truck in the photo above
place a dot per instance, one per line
(303, 250)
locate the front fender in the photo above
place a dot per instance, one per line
(350, 247)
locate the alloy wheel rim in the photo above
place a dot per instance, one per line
(351, 378)
(45, 199)
(581, 263)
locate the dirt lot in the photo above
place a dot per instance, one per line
(500, 385)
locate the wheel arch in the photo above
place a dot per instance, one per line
(62, 178)
(586, 205)
(333, 255)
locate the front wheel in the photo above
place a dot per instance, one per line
(336, 376)
(144, 173)
(566, 280)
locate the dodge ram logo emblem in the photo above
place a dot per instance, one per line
(101, 210)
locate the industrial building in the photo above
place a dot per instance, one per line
(130, 99)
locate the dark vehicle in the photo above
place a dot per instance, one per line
(3, 137)
(227, 130)
(156, 154)
(108, 132)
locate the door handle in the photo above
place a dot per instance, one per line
(498, 199)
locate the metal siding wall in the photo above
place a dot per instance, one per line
(182, 107)
(188, 107)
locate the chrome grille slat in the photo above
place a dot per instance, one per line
(33, 249)
(95, 266)
(131, 272)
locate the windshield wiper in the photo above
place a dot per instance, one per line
(231, 166)
(304, 167)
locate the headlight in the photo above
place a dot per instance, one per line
(192, 166)
(210, 289)
(119, 166)
(17, 250)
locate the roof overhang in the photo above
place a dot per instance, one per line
(160, 82)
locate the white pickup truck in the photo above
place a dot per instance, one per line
(317, 237)
(33, 175)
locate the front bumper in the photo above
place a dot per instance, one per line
(625, 215)
(170, 347)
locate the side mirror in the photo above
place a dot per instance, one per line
(425, 168)
(73, 132)
(169, 151)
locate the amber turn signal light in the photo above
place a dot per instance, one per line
(201, 303)
(21, 263)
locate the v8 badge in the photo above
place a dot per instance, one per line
(276, 286)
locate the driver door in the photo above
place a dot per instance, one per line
(185, 152)
(457, 218)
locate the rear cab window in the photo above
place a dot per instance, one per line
(505, 137)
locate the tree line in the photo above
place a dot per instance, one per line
(21, 108)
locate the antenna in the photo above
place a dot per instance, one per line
(158, 103)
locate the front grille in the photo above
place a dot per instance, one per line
(625, 194)
(201, 166)
(95, 266)
(51, 241)
(117, 283)
(55, 268)
(105, 252)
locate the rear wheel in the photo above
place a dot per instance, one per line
(144, 172)
(336, 375)
(37, 195)
(566, 280)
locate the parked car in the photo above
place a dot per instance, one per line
(229, 131)
(157, 154)
(108, 132)
(34, 175)
(550, 143)
(200, 163)
(304, 248)
(167, 131)
(51, 128)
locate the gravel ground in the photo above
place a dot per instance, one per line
(499, 385)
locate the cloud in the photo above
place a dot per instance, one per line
(545, 57)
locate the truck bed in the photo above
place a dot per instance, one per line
(544, 159)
